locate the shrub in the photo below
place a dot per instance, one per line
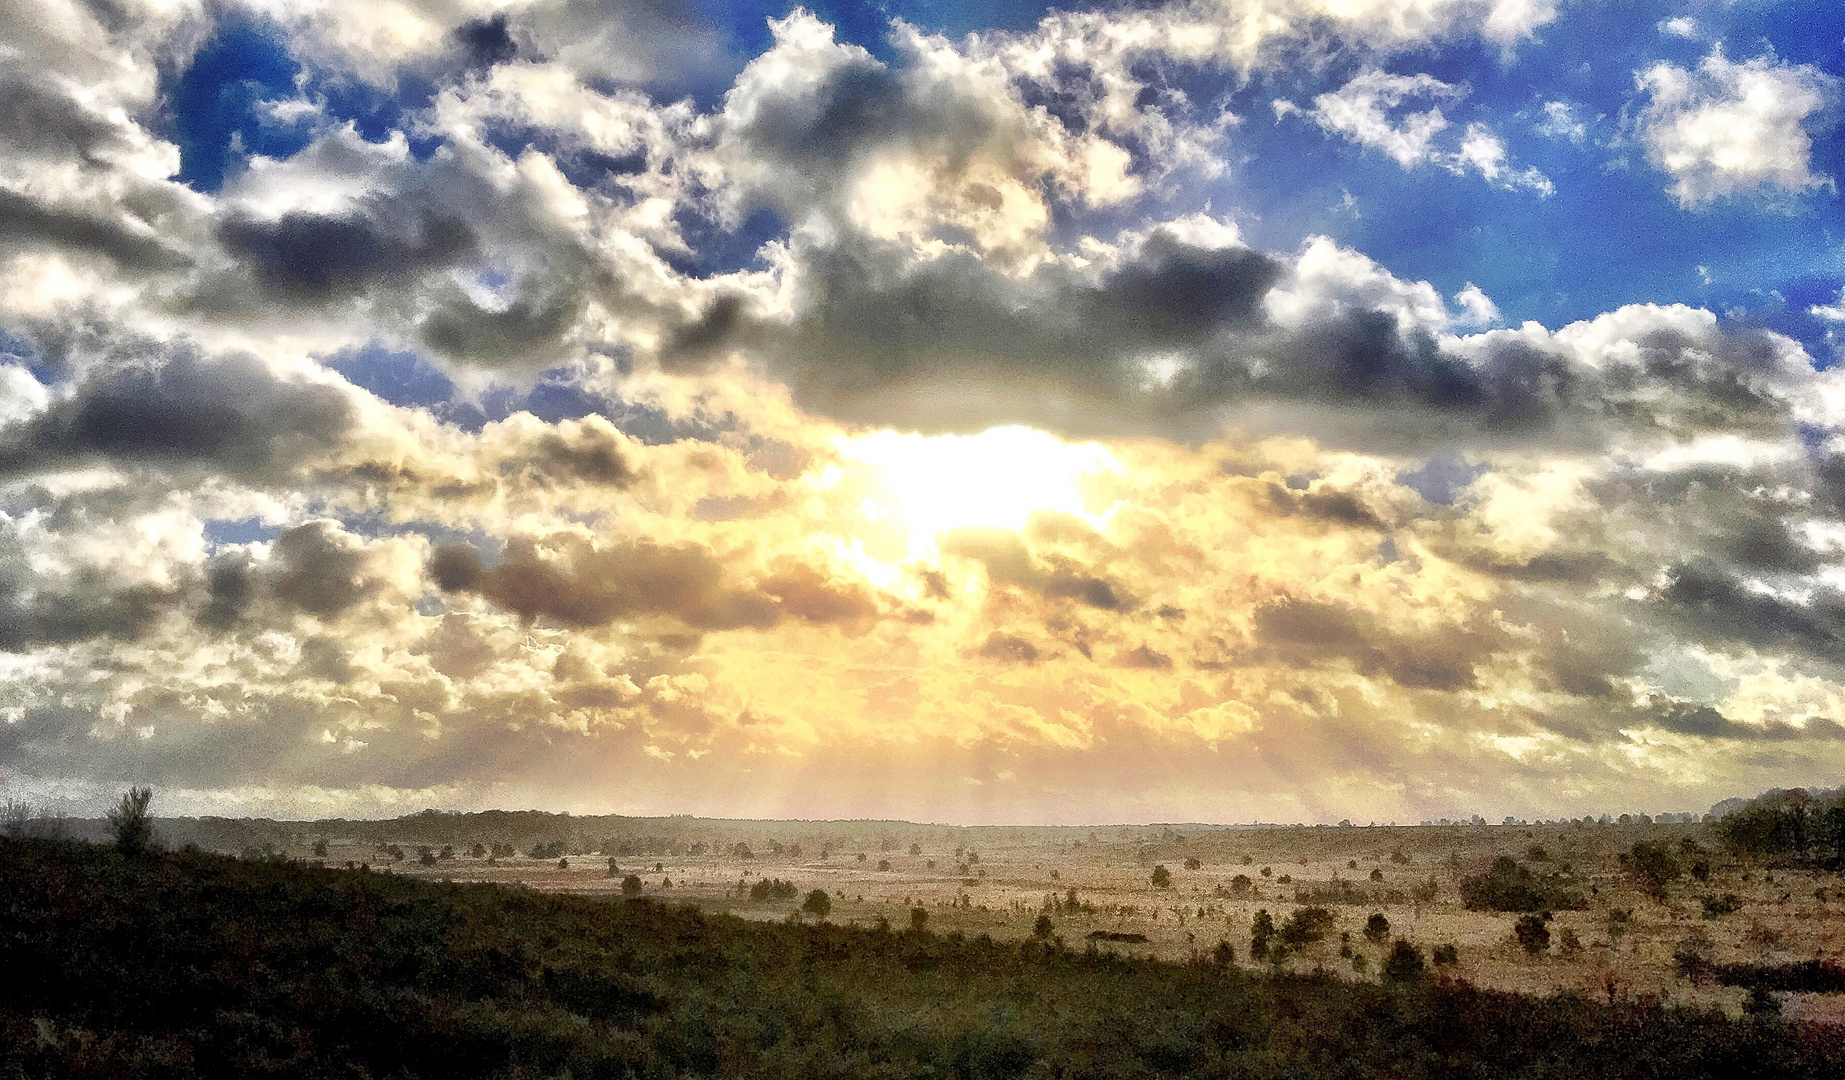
(1446, 955)
(1715, 907)
(1224, 954)
(818, 904)
(1192, 864)
(1654, 868)
(1531, 933)
(1377, 928)
(631, 885)
(1306, 926)
(1162, 877)
(1508, 886)
(134, 829)
(1042, 928)
(1240, 884)
(919, 918)
(1261, 930)
(772, 889)
(1404, 964)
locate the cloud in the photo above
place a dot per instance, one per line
(1366, 110)
(576, 582)
(1733, 129)
(173, 407)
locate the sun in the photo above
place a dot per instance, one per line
(997, 479)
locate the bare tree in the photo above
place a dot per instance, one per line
(15, 815)
(134, 829)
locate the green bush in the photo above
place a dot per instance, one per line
(1508, 886)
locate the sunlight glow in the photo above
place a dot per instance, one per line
(996, 479)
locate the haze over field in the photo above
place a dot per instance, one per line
(1202, 411)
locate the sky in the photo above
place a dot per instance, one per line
(1178, 410)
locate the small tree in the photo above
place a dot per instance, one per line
(134, 829)
(1162, 877)
(16, 815)
(1261, 929)
(1404, 964)
(1655, 868)
(1533, 936)
(919, 918)
(1377, 928)
(1224, 954)
(1042, 928)
(631, 885)
(818, 904)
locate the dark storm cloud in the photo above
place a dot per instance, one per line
(1176, 335)
(466, 331)
(1329, 504)
(1306, 633)
(316, 568)
(27, 222)
(1713, 604)
(35, 614)
(176, 408)
(313, 258)
(1009, 563)
(590, 454)
(576, 583)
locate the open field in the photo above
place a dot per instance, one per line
(998, 880)
(125, 962)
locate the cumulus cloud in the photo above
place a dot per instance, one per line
(1370, 111)
(632, 301)
(1734, 128)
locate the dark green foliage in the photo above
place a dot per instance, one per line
(1715, 907)
(1042, 928)
(1239, 885)
(818, 904)
(1788, 823)
(1162, 877)
(1306, 926)
(1653, 867)
(773, 889)
(1224, 954)
(631, 885)
(919, 918)
(131, 823)
(1377, 928)
(1532, 934)
(1404, 964)
(1261, 932)
(551, 850)
(192, 965)
(1446, 955)
(1509, 886)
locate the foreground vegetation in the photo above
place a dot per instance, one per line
(126, 964)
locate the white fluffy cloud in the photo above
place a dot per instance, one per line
(1374, 110)
(1729, 128)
